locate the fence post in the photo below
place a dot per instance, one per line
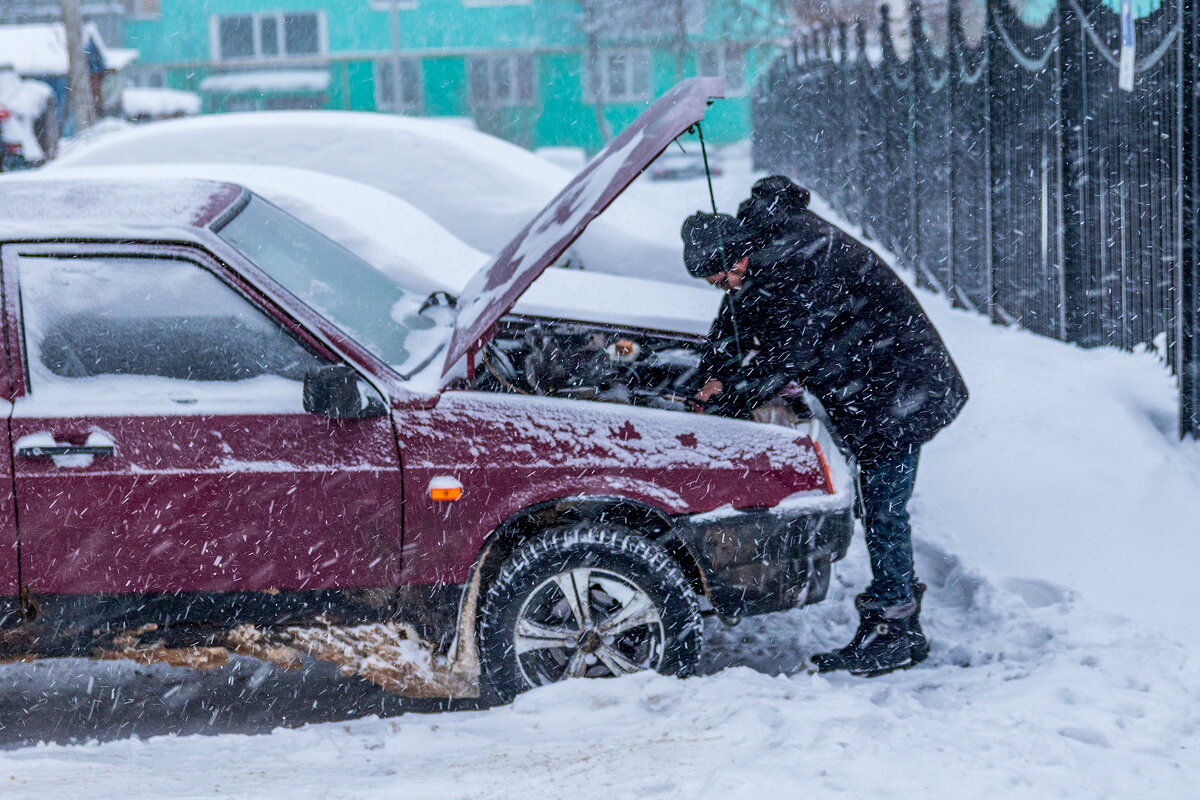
(887, 66)
(1189, 268)
(918, 68)
(862, 121)
(989, 270)
(954, 57)
(846, 175)
(1074, 314)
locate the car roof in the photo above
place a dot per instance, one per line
(43, 206)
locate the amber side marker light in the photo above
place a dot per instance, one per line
(445, 489)
(825, 468)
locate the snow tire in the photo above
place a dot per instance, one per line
(635, 610)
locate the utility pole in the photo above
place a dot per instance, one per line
(396, 89)
(82, 104)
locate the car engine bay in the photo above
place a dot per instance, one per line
(590, 362)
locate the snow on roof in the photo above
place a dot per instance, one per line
(36, 205)
(118, 58)
(282, 80)
(41, 49)
(480, 188)
(147, 102)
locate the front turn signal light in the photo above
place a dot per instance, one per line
(445, 489)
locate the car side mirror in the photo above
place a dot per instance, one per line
(336, 391)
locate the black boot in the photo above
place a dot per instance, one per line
(888, 638)
(918, 644)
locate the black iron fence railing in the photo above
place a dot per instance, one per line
(1029, 175)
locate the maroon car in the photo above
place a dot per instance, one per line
(231, 434)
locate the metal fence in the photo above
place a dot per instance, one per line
(1020, 174)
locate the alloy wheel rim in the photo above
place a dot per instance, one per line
(587, 623)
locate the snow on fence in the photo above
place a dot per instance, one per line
(1045, 175)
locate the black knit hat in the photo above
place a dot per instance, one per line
(771, 202)
(712, 243)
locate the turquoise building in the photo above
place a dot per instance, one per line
(535, 72)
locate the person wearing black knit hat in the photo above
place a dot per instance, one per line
(808, 303)
(716, 248)
(712, 243)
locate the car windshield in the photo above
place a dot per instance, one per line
(358, 298)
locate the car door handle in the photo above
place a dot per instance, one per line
(48, 451)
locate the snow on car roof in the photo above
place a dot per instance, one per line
(59, 207)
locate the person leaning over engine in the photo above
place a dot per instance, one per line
(806, 302)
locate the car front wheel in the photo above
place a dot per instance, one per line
(586, 601)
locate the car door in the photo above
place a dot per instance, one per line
(9, 556)
(159, 440)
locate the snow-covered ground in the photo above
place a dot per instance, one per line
(1057, 525)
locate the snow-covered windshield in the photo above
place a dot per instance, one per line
(362, 301)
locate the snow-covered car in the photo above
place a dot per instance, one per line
(231, 434)
(478, 187)
(680, 166)
(28, 126)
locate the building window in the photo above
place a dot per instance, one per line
(408, 98)
(619, 76)
(728, 62)
(144, 8)
(295, 102)
(268, 36)
(501, 80)
(146, 77)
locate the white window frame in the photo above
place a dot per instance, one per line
(146, 78)
(388, 5)
(720, 55)
(514, 63)
(214, 36)
(494, 3)
(398, 106)
(597, 78)
(137, 9)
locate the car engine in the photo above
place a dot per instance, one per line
(590, 362)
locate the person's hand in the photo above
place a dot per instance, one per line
(708, 391)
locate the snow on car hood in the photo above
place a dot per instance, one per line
(494, 290)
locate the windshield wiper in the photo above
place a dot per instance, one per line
(436, 299)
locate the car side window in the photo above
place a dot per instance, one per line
(140, 323)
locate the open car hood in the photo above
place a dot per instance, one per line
(492, 292)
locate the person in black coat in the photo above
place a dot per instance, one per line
(807, 303)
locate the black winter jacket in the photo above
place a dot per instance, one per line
(820, 308)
